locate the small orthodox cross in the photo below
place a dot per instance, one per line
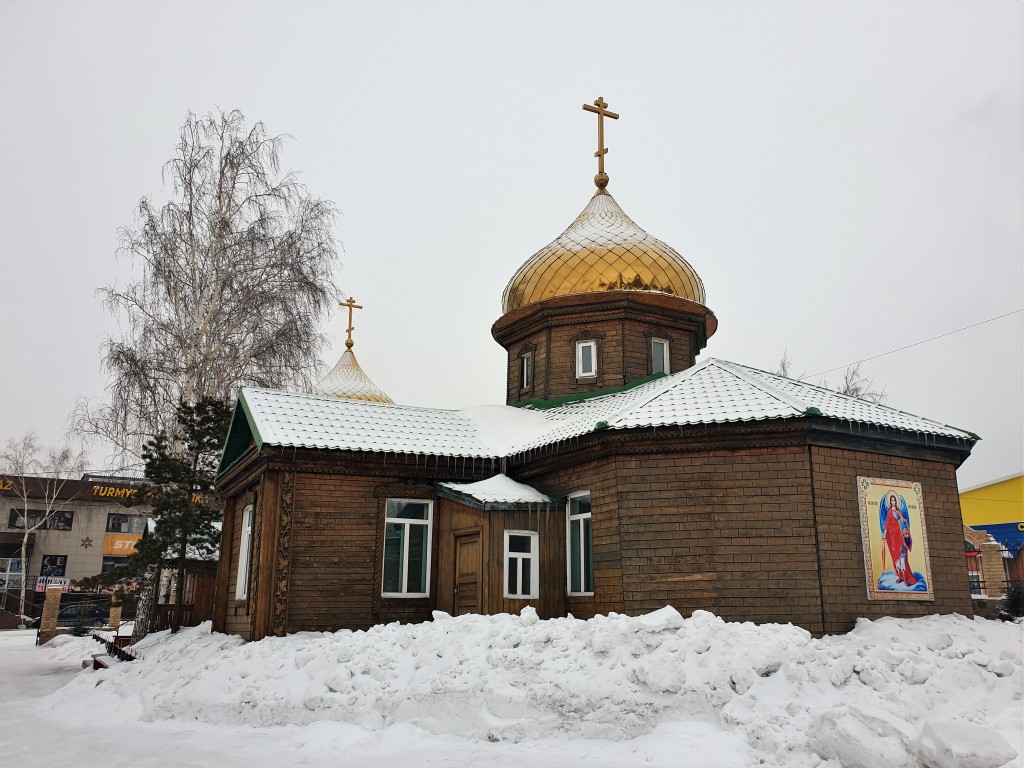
(351, 304)
(599, 108)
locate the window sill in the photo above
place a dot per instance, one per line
(521, 597)
(579, 594)
(403, 595)
(588, 377)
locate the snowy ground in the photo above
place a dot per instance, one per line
(654, 690)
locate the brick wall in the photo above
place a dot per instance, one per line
(843, 581)
(727, 531)
(621, 325)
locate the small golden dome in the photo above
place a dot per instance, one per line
(347, 380)
(603, 250)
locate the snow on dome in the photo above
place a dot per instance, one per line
(500, 489)
(347, 380)
(602, 250)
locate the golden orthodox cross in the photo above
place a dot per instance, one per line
(599, 108)
(351, 304)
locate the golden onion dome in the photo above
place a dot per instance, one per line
(348, 380)
(602, 250)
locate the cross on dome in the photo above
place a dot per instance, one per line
(351, 304)
(600, 109)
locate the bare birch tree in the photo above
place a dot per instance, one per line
(237, 271)
(854, 383)
(35, 480)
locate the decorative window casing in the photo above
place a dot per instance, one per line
(407, 530)
(660, 356)
(526, 370)
(521, 559)
(579, 541)
(586, 359)
(244, 554)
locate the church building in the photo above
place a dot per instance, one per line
(625, 472)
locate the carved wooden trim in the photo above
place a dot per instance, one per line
(403, 491)
(657, 333)
(284, 546)
(586, 335)
(254, 555)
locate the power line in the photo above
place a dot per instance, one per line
(918, 343)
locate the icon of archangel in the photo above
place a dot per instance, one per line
(895, 543)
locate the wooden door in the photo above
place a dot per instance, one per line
(467, 573)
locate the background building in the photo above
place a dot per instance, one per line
(95, 525)
(996, 509)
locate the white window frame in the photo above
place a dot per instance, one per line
(570, 518)
(668, 365)
(526, 370)
(405, 545)
(580, 373)
(244, 554)
(533, 556)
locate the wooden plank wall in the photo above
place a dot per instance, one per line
(224, 565)
(455, 518)
(236, 613)
(599, 478)
(550, 527)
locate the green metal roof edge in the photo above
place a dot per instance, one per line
(541, 404)
(250, 422)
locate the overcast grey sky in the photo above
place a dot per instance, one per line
(845, 177)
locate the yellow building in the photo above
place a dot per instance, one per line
(998, 509)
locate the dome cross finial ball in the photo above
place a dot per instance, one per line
(599, 108)
(351, 304)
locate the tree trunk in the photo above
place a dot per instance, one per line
(179, 588)
(24, 573)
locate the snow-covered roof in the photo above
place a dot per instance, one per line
(712, 392)
(500, 489)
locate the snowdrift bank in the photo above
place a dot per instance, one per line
(936, 691)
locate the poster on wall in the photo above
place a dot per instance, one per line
(895, 540)
(53, 566)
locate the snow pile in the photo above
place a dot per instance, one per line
(936, 691)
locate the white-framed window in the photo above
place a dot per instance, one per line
(586, 359)
(407, 548)
(521, 557)
(244, 555)
(579, 545)
(659, 356)
(526, 370)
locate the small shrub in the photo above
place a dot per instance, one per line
(1013, 602)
